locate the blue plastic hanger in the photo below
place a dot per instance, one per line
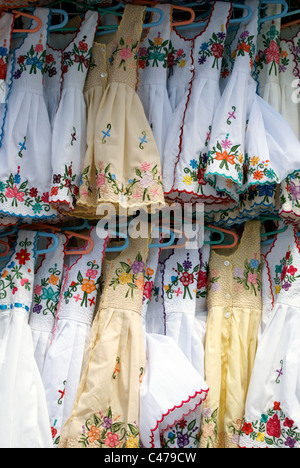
(40, 252)
(53, 27)
(280, 15)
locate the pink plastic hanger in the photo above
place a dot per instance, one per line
(17, 14)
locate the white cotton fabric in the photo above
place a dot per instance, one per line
(23, 412)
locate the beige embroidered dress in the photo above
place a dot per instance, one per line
(106, 409)
(234, 313)
(126, 157)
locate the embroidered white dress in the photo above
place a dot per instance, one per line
(69, 124)
(194, 66)
(172, 394)
(24, 421)
(25, 176)
(272, 413)
(152, 77)
(6, 27)
(290, 89)
(63, 362)
(47, 286)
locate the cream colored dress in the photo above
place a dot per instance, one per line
(126, 157)
(106, 409)
(234, 313)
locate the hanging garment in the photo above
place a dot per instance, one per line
(290, 88)
(126, 157)
(6, 27)
(194, 67)
(95, 85)
(106, 412)
(25, 174)
(46, 289)
(174, 325)
(234, 314)
(63, 362)
(152, 77)
(23, 412)
(69, 124)
(272, 413)
(268, 63)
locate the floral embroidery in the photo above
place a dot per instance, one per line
(50, 65)
(34, 59)
(48, 290)
(130, 274)
(117, 368)
(89, 284)
(155, 53)
(245, 46)
(183, 434)
(8, 279)
(259, 170)
(146, 178)
(213, 283)
(273, 429)
(176, 57)
(107, 432)
(3, 60)
(80, 54)
(271, 53)
(150, 291)
(227, 154)
(123, 51)
(213, 48)
(185, 278)
(65, 181)
(292, 190)
(249, 276)
(285, 273)
(209, 428)
(17, 191)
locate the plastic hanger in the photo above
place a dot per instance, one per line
(4, 254)
(226, 246)
(291, 23)
(18, 13)
(271, 233)
(174, 7)
(274, 17)
(231, 22)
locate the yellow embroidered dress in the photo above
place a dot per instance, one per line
(106, 409)
(126, 157)
(234, 313)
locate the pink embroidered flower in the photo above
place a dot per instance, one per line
(288, 423)
(91, 273)
(273, 427)
(292, 270)
(38, 290)
(125, 53)
(146, 180)
(100, 180)
(14, 193)
(112, 440)
(273, 53)
(38, 48)
(180, 52)
(252, 278)
(148, 286)
(24, 281)
(145, 167)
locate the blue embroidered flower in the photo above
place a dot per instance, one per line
(264, 418)
(270, 173)
(113, 176)
(35, 62)
(17, 178)
(130, 181)
(37, 208)
(49, 294)
(2, 186)
(204, 46)
(193, 164)
(254, 264)
(3, 51)
(266, 190)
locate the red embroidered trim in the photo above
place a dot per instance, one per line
(176, 407)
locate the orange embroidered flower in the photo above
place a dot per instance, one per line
(140, 283)
(94, 434)
(243, 46)
(149, 272)
(158, 41)
(225, 156)
(53, 280)
(88, 286)
(258, 175)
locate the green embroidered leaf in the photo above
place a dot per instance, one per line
(191, 425)
(116, 427)
(79, 277)
(234, 148)
(134, 430)
(179, 268)
(125, 267)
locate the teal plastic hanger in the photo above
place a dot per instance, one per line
(271, 233)
(232, 21)
(41, 252)
(274, 17)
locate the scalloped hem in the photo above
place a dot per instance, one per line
(183, 415)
